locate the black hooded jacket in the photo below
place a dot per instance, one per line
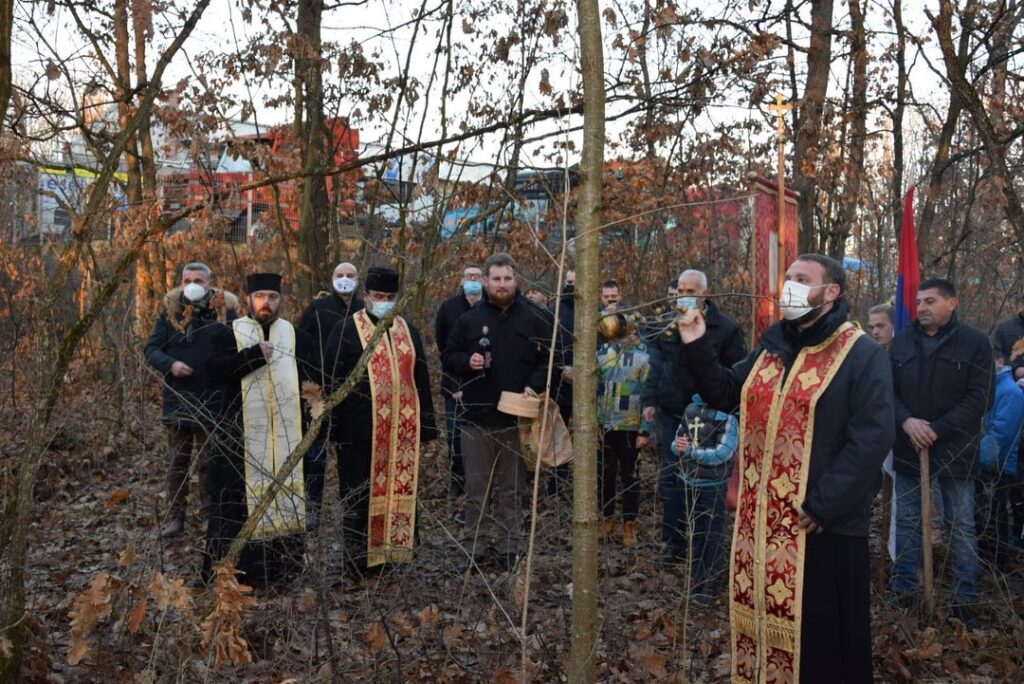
(320, 316)
(853, 420)
(951, 387)
(670, 386)
(520, 341)
(449, 312)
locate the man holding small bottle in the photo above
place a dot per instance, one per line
(500, 345)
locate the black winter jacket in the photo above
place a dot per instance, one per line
(951, 388)
(1007, 334)
(670, 386)
(853, 421)
(320, 316)
(562, 391)
(352, 419)
(195, 398)
(449, 312)
(520, 342)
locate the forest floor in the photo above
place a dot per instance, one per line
(107, 594)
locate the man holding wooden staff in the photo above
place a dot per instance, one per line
(815, 402)
(943, 378)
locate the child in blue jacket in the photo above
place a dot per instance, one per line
(705, 443)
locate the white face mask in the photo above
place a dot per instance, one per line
(345, 285)
(795, 300)
(194, 292)
(381, 309)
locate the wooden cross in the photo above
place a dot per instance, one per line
(780, 108)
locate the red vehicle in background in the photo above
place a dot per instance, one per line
(252, 214)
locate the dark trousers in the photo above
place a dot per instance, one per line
(314, 470)
(705, 517)
(836, 629)
(354, 461)
(184, 439)
(494, 471)
(456, 470)
(995, 524)
(618, 458)
(670, 486)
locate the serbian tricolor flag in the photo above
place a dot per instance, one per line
(909, 272)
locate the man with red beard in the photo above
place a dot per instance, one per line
(500, 345)
(816, 413)
(260, 361)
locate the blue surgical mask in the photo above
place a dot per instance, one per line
(381, 309)
(688, 303)
(473, 288)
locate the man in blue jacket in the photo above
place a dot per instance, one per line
(179, 347)
(942, 377)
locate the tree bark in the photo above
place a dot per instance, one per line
(808, 131)
(956, 72)
(314, 215)
(944, 144)
(588, 277)
(6, 74)
(850, 201)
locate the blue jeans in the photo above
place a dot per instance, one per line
(457, 476)
(705, 516)
(670, 486)
(958, 505)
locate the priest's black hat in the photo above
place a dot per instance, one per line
(256, 282)
(381, 279)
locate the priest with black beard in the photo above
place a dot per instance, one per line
(260, 361)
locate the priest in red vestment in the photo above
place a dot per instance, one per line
(379, 427)
(815, 404)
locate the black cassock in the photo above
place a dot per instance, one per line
(266, 560)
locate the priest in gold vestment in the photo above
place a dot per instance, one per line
(815, 405)
(259, 360)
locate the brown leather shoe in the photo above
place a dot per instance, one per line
(607, 529)
(629, 533)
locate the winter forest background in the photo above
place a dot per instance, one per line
(138, 135)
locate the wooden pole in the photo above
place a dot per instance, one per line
(882, 576)
(779, 109)
(926, 533)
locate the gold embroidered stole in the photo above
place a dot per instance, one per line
(767, 565)
(394, 469)
(272, 427)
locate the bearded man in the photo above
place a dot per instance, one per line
(259, 360)
(500, 345)
(816, 415)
